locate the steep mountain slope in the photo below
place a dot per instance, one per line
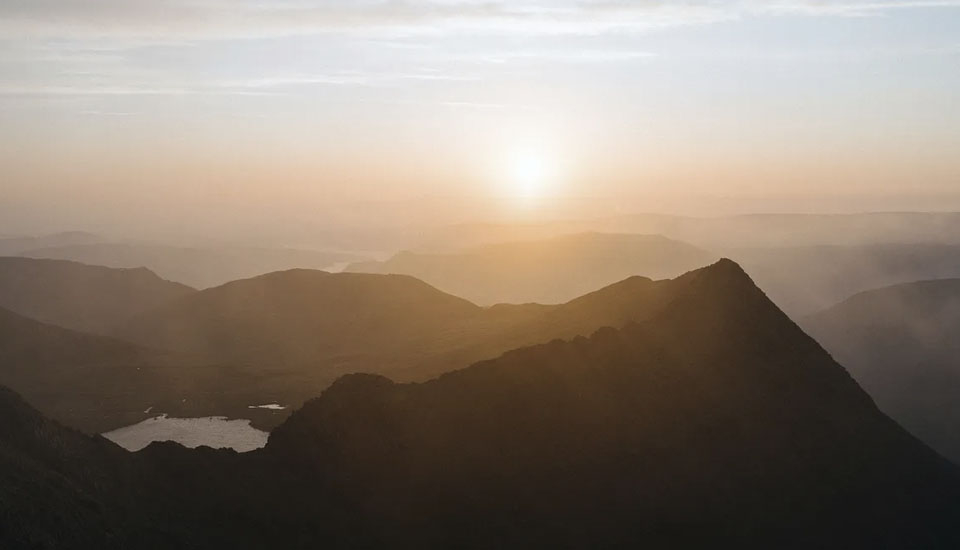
(547, 271)
(83, 297)
(198, 267)
(715, 423)
(900, 343)
(49, 481)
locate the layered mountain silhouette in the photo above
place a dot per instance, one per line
(83, 297)
(198, 267)
(544, 271)
(900, 342)
(798, 229)
(806, 279)
(315, 326)
(723, 232)
(281, 337)
(714, 422)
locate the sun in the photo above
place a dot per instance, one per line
(528, 174)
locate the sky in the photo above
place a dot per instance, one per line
(123, 113)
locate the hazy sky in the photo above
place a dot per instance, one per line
(120, 110)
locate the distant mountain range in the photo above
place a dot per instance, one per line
(198, 267)
(901, 343)
(285, 336)
(719, 232)
(800, 279)
(713, 422)
(12, 246)
(547, 271)
(806, 279)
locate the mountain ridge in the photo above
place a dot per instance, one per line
(79, 296)
(713, 421)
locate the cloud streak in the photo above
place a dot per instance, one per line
(221, 19)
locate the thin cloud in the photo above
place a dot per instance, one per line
(848, 9)
(219, 19)
(578, 56)
(67, 91)
(90, 112)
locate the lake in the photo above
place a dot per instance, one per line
(212, 431)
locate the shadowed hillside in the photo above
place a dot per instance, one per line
(900, 343)
(95, 383)
(53, 482)
(88, 298)
(546, 271)
(714, 423)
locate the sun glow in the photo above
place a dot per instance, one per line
(528, 174)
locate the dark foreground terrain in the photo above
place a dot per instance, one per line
(716, 423)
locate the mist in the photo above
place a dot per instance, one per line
(479, 274)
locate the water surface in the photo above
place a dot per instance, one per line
(212, 431)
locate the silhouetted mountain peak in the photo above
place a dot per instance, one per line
(724, 273)
(714, 317)
(710, 419)
(353, 388)
(714, 398)
(725, 292)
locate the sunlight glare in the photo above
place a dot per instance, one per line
(528, 174)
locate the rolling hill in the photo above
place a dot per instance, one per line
(198, 267)
(84, 297)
